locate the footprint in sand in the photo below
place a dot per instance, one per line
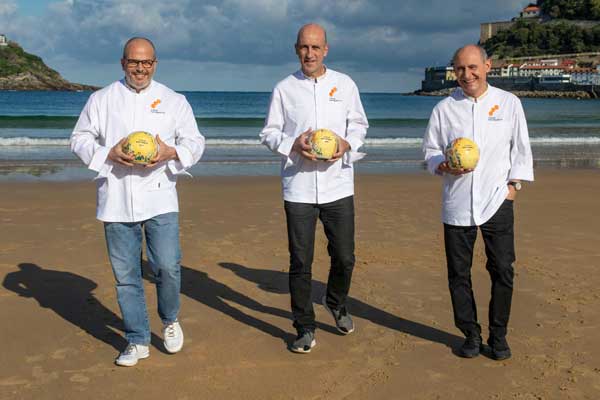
(79, 378)
(42, 377)
(61, 354)
(32, 359)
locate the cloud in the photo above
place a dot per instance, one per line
(384, 36)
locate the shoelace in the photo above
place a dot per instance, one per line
(131, 348)
(170, 331)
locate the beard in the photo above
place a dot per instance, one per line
(137, 85)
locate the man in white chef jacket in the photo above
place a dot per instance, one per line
(482, 197)
(135, 201)
(312, 98)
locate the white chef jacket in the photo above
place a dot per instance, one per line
(496, 122)
(298, 103)
(131, 194)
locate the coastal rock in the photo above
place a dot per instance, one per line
(20, 70)
(31, 81)
(542, 94)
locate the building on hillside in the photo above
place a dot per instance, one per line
(3, 40)
(489, 29)
(531, 11)
(540, 70)
(585, 76)
(445, 73)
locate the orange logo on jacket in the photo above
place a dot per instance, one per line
(332, 91)
(493, 110)
(155, 103)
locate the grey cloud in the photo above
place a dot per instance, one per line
(365, 35)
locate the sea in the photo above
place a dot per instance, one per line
(35, 129)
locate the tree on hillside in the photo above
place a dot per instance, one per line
(529, 38)
(571, 9)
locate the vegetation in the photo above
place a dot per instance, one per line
(14, 60)
(531, 38)
(571, 9)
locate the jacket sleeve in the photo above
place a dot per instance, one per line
(273, 135)
(357, 125)
(189, 142)
(87, 142)
(434, 143)
(521, 159)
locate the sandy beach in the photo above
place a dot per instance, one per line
(61, 326)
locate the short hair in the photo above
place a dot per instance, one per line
(307, 25)
(482, 52)
(138, 38)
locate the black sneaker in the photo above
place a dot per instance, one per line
(304, 342)
(343, 320)
(471, 347)
(500, 349)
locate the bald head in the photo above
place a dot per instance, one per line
(470, 48)
(312, 29)
(137, 42)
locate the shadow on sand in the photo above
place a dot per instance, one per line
(70, 296)
(277, 282)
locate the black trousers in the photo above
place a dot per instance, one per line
(498, 236)
(338, 222)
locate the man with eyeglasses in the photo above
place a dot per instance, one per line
(135, 201)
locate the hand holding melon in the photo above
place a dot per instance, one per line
(462, 155)
(141, 146)
(324, 144)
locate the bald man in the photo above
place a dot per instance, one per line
(135, 201)
(312, 98)
(480, 198)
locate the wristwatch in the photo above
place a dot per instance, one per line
(516, 185)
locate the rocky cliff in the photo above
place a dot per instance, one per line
(20, 70)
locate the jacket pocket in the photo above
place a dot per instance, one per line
(162, 181)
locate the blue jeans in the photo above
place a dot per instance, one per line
(124, 242)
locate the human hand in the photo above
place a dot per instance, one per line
(302, 146)
(343, 147)
(444, 167)
(165, 153)
(117, 155)
(512, 193)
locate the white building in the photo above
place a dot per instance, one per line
(584, 76)
(3, 40)
(531, 11)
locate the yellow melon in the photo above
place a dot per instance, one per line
(324, 144)
(142, 146)
(462, 153)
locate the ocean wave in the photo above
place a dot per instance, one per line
(27, 141)
(68, 122)
(540, 140)
(240, 142)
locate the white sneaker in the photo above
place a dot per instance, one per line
(130, 356)
(173, 337)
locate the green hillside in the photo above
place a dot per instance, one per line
(20, 70)
(531, 38)
(571, 9)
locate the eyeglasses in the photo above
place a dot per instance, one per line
(131, 63)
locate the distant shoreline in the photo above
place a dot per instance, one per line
(541, 94)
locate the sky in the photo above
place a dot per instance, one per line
(247, 45)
